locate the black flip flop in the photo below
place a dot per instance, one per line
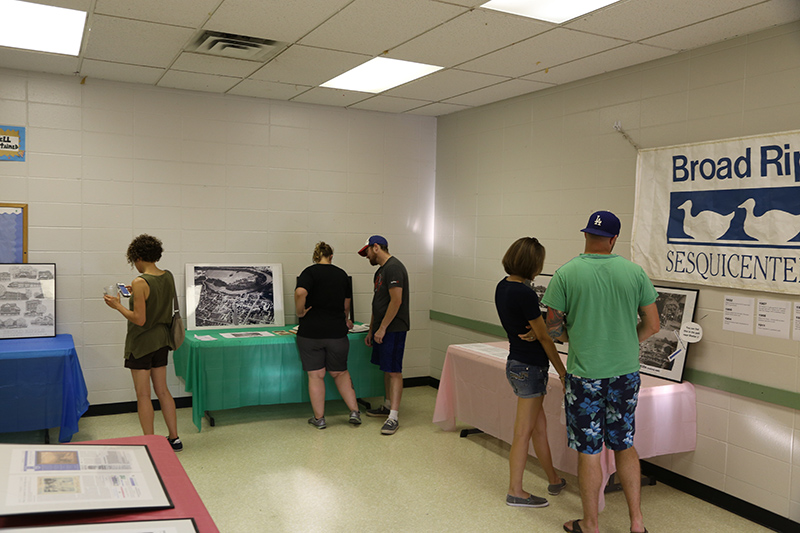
(576, 527)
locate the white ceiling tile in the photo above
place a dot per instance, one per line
(615, 59)
(38, 61)
(444, 84)
(120, 72)
(335, 97)
(436, 110)
(190, 13)
(742, 22)
(306, 65)
(279, 20)
(636, 20)
(268, 89)
(540, 52)
(389, 104)
(135, 42)
(197, 82)
(501, 91)
(374, 26)
(471, 35)
(208, 64)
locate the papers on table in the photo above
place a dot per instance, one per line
(205, 337)
(50, 478)
(359, 328)
(246, 334)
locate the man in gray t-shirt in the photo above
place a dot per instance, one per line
(388, 326)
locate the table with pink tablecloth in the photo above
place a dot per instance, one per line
(473, 390)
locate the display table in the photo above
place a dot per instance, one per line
(41, 385)
(180, 489)
(474, 390)
(229, 373)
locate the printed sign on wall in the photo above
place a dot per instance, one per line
(12, 143)
(723, 213)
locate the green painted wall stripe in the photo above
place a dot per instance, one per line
(697, 377)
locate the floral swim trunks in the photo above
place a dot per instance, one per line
(601, 410)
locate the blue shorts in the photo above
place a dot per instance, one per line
(601, 410)
(388, 355)
(528, 381)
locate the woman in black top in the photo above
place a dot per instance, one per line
(322, 302)
(530, 348)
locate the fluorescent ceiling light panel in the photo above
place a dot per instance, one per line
(556, 11)
(380, 74)
(41, 28)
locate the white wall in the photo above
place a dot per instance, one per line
(218, 179)
(541, 163)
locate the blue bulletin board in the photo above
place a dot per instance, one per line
(13, 233)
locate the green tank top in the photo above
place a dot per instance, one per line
(155, 333)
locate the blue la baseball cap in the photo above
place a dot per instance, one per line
(375, 239)
(603, 223)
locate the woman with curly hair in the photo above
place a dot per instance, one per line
(147, 343)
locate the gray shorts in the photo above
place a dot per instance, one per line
(528, 381)
(330, 354)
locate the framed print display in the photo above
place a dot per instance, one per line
(664, 354)
(540, 285)
(13, 233)
(234, 296)
(27, 300)
(179, 525)
(78, 477)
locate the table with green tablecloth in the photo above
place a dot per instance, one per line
(228, 373)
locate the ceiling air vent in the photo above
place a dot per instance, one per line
(235, 46)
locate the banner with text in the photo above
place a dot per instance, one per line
(723, 213)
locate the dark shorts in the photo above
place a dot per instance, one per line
(330, 354)
(527, 381)
(152, 360)
(601, 410)
(388, 355)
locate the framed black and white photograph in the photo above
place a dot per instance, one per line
(234, 296)
(664, 354)
(540, 285)
(27, 300)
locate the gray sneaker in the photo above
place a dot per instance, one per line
(530, 501)
(318, 423)
(355, 418)
(555, 488)
(390, 427)
(380, 411)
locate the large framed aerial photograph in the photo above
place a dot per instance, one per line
(664, 354)
(540, 286)
(27, 300)
(78, 477)
(234, 296)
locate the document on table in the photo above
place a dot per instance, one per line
(51, 478)
(180, 525)
(486, 349)
(246, 334)
(205, 337)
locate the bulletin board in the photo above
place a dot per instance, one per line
(13, 233)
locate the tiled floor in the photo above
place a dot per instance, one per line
(265, 469)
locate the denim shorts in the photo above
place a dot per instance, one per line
(528, 381)
(601, 411)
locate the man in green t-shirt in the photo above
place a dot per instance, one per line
(595, 301)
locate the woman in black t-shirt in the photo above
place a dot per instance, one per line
(322, 302)
(530, 348)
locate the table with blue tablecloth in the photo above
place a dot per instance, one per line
(41, 385)
(229, 373)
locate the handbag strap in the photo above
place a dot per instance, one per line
(175, 307)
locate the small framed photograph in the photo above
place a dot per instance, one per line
(664, 354)
(234, 296)
(27, 300)
(540, 285)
